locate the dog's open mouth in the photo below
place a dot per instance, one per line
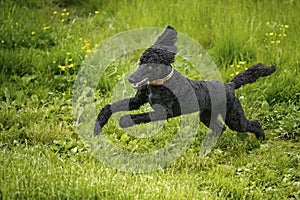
(141, 83)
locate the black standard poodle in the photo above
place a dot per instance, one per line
(170, 94)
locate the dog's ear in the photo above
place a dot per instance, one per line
(167, 40)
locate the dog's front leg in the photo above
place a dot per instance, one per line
(140, 98)
(109, 109)
(102, 119)
(130, 120)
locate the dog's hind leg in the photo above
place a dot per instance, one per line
(237, 121)
(211, 122)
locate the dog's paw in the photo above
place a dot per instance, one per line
(126, 121)
(260, 136)
(97, 129)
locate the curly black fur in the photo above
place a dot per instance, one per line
(252, 74)
(153, 55)
(164, 49)
(172, 98)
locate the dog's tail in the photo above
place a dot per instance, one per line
(251, 75)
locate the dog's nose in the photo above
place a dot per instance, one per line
(131, 79)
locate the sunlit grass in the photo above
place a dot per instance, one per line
(42, 47)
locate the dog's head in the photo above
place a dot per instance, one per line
(155, 63)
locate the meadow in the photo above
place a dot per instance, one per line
(42, 47)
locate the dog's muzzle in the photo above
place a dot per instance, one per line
(135, 83)
(140, 83)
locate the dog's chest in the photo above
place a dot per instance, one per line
(174, 102)
(161, 95)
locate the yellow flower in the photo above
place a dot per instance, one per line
(63, 94)
(286, 26)
(62, 68)
(89, 50)
(278, 41)
(54, 12)
(231, 66)
(97, 12)
(68, 53)
(17, 24)
(32, 33)
(46, 27)
(242, 62)
(67, 13)
(237, 66)
(284, 35)
(65, 10)
(2, 41)
(54, 61)
(267, 23)
(246, 68)
(62, 14)
(272, 42)
(236, 73)
(267, 33)
(71, 65)
(232, 74)
(271, 33)
(80, 39)
(70, 59)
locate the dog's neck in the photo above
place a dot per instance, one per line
(162, 80)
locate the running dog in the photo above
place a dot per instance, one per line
(170, 94)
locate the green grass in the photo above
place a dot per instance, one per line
(42, 46)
